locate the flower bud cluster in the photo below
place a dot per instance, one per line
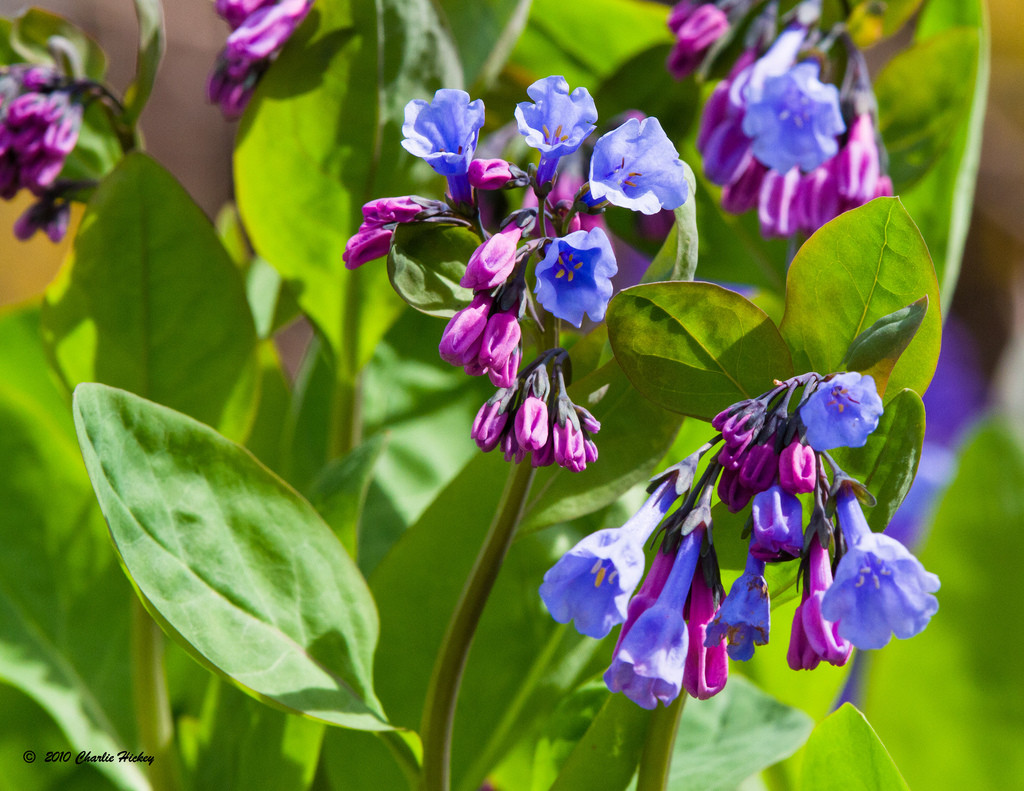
(634, 166)
(40, 119)
(531, 416)
(779, 140)
(859, 587)
(259, 29)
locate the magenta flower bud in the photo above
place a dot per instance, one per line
(760, 466)
(368, 244)
(460, 341)
(506, 375)
(589, 450)
(493, 261)
(489, 174)
(262, 33)
(857, 164)
(775, 203)
(587, 420)
(543, 457)
(743, 194)
(884, 189)
(488, 426)
(48, 215)
(388, 210)
(234, 12)
(731, 492)
(817, 198)
(500, 339)
(798, 468)
(230, 92)
(512, 449)
(695, 33)
(812, 637)
(532, 423)
(731, 456)
(777, 518)
(569, 449)
(707, 667)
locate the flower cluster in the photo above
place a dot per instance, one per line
(555, 235)
(679, 628)
(773, 135)
(40, 118)
(259, 29)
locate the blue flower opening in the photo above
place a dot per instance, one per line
(557, 122)
(444, 131)
(842, 412)
(575, 276)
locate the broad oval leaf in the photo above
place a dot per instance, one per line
(865, 264)
(844, 752)
(338, 92)
(695, 348)
(149, 301)
(887, 463)
(230, 560)
(426, 263)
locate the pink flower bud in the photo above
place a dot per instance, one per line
(731, 492)
(743, 194)
(798, 468)
(489, 174)
(387, 210)
(501, 338)
(460, 341)
(506, 375)
(857, 163)
(775, 203)
(532, 423)
(695, 32)
(488, 426)
(368, 244)
(707, 667)
(569, 448)
(760, 466)
(544, 456)
(493, 261)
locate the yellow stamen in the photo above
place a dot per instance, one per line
(600, 577)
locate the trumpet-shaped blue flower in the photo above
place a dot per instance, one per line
(637, 167)
(444, 133)
(556, 123)
(743, 619)
(591, 584)
(575, 276)
(842, 412)
(777, 517)
(880, 588)
(795, 120)
(650, 658)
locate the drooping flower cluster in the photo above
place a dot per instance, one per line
(773, 135)
(858, 587)
(558, 238)
(259, 29)
(40, 118)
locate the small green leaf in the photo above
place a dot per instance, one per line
(695, 348)
(151, 49)
(677, 258)
(426, 263)
(149, 301)
(844, 754)
(875, 351)
(30, 37)
(862, 266)
(740, 731)
(230, 561)
(919, 118)
(635, 435)
(607, 755)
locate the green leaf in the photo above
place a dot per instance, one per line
(677, 258)
(635, 435)
(340, 91)
(919, 117)
(64, 615)
(564, 729)
(845, 753)
(485, 32)
(230, 561)
(959, 680)
(941, 203)
(149, 301)
(426, 263)
(875, 351)
(31, 33)
(240, 743)
(888, 462)
(695, 348)
(339, 492)
(151, 49)
(607, 755)
(865, 264)
(555, 42)
(740, 731)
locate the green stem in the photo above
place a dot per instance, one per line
(443, 691)
(656, 759)
(403, 755)
(346, 415)
(152, 709)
